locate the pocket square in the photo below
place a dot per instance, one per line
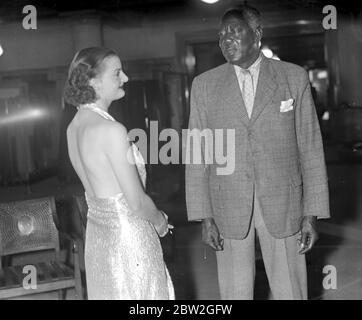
(286, 105)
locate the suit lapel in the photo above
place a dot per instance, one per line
(229, 90)
(266, 87)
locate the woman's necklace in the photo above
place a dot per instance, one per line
(93, 107)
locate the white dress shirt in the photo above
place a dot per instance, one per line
(254, 71)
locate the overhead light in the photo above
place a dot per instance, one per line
(22, 116)
(322, 74)
(302, 22)
(190, 62)
(325, 116)
(210, 1)
(1, 50)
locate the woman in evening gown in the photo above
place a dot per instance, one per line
(123, 255)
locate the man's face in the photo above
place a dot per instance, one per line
(237, 40)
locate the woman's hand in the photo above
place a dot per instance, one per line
(163, 226)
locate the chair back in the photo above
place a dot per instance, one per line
(27, 226)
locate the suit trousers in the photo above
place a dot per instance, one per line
(285, 267)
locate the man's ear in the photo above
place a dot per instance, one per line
(258, 33)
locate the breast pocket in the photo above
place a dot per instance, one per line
(284, 104)
(286, 111)
(286, 122)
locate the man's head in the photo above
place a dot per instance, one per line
(240, 34)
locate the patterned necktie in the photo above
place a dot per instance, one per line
(247, 90)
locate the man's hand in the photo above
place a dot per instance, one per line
(308, 234)
(211, 235)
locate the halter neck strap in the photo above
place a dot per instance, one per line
(93, 107)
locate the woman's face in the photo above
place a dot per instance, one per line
(109, 83)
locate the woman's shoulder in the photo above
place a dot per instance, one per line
(112, 133)
(98, 128)
(113, 128)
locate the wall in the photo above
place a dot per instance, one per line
(55, 41)
(133, 37)
(51, 45)
(344, 57)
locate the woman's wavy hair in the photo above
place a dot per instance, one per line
(85, 66)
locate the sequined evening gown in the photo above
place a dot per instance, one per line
(123, 254)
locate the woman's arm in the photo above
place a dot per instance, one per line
(117, 147)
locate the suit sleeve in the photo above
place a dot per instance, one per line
(311, 155)
(198, 200)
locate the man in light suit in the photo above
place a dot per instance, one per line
(279, 186)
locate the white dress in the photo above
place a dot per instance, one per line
(123, 254)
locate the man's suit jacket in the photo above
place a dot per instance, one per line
(278, 153)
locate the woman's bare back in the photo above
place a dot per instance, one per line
(87, 136)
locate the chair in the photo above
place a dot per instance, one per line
(28, 227)
(82, 209)
(79, 209)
